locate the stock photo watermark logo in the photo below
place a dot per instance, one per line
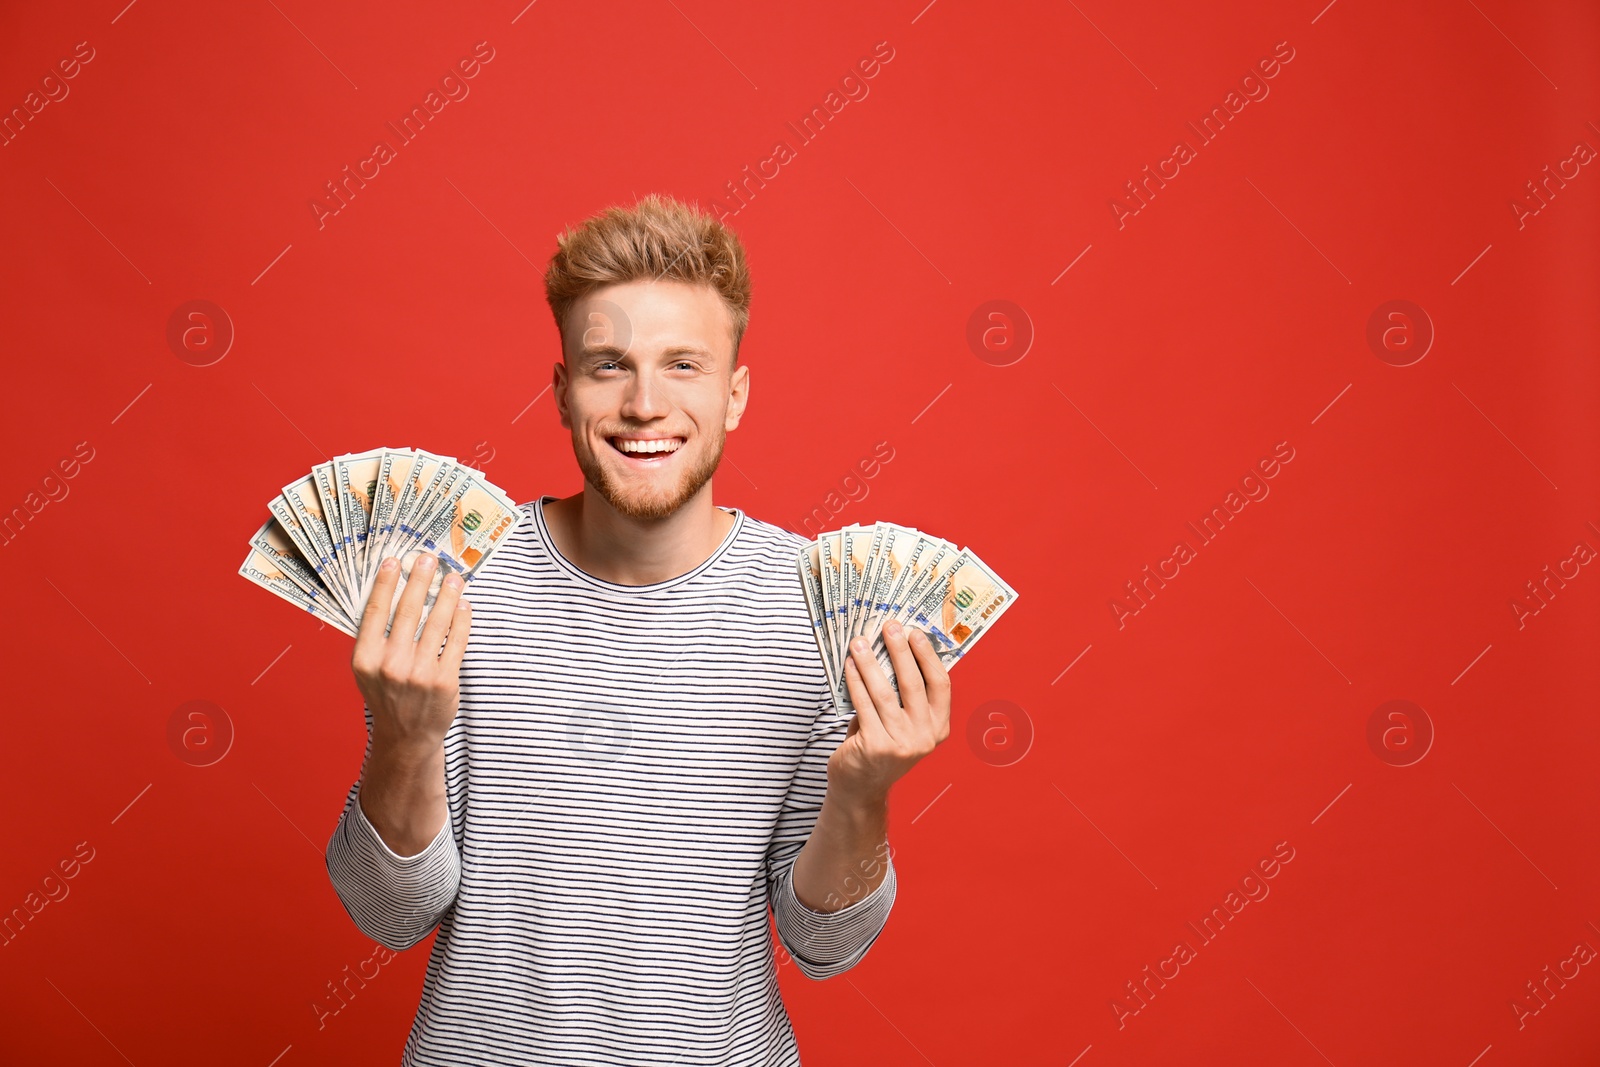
(1541, 591)
(54, 488)
(1399, 732)
(1000, 733)
(482, 455)
(1543, 990)
(411, 125)
(199, 733)
(598, 733)
(1253, 888)
(55, 889)
(1539, 195)
(199, 332)
(1255, 89)
(54, 89)
(1141, 591)
(853, 489)
(1399, 332)
(855, 89)
(607, 326)
(349, 984)
(999, 332)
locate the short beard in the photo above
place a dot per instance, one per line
(653, 505)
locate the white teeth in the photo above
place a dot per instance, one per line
(670, 445)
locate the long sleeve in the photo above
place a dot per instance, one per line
(395, 900)
(823, 944)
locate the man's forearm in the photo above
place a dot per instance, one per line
(846, 856)
(403, 795)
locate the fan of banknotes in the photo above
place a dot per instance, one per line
(858, 578)
(328, 532)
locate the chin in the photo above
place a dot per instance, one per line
(645, 496)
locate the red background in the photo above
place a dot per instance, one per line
(1229, 314)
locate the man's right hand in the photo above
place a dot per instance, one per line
(411, 686)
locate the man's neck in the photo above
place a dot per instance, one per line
(609, 546)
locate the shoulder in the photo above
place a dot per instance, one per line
(766, 546)
(761, 530)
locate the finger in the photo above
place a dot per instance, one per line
(935, 677)
(907, 672)
(884, 695)
(375, 616)
(403, 630)
(439, 616)
(885, 707)
(455, 646)
(860, 698)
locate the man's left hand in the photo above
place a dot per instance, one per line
(888, 735)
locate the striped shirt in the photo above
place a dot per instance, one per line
(631, 774)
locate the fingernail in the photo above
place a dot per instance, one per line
(892, 628)
(389, 564)
(859, 644)
(426, 563)
(453, 581)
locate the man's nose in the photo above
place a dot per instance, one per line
(645, 399)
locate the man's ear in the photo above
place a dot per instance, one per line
(558, 384)
(739, 395)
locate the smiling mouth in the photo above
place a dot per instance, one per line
(662, 450)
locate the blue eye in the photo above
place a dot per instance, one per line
(611, 363)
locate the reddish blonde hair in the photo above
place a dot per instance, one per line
(659, 237)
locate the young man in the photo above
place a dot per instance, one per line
(598, 798)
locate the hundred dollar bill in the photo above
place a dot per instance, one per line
(893, 556)
(427, 472)
(298, 511)
(261, 570)
(846, 549)
(333, 515)
(275, 544)
(355, 476)
(963, 604)
(306, 506)
(857, 542)
(473, 521)
(426, 516)
(862, 604)
(832, 577)
(422, 477)
(412, 526)
(864, 552)
(930, 558)
(809, 563)
(393, 469)
(927, 558)
(858, 554)
(473, 525)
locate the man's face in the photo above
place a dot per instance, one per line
(649, 361)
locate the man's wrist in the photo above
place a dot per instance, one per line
(861, 810)
(409, 753)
